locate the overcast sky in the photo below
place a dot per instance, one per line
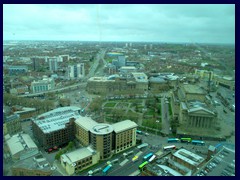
(153, 23)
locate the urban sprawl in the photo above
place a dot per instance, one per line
(75, 108)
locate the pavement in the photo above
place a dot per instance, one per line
(59, 167)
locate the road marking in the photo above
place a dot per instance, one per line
(139, 153)
(124, 162)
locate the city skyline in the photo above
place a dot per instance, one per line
(137, 23)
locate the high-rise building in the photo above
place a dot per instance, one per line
(53, 64)
(101, 139)
(35, 63)
(76, 71)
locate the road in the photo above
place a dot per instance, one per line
(165, 116)
(72, 87)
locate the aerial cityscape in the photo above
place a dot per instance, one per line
(90, 91)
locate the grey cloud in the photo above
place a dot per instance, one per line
(122, 22)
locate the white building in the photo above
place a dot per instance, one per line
(76, 71)
(21, 146)
(45, 84)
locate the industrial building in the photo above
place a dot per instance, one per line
(37, 166)
(56, 127)
(21, 146)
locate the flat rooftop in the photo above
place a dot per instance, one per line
(188, 157)
(99, 79)
(20, 142)
(193, 89)
(86, 122)
(102, 129)
(123, 126)
(140, 77)
(56, 119)
(77, 155)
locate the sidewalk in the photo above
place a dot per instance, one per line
(60, 169)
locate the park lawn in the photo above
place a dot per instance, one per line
(111, 104)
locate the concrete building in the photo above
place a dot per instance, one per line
(188, 159)
(136, 83)
(79, 160)
(225, 81)
(37, 166)
(12, 125)
(76, 71)
(21, 146)
(37, 62)
(45, 84)
(181, 162)
(195, 114)
(101, 139)
(158, 84)
(25, 112)
(83, 125)
(127, 70)
(53, 64)
(188, 92)
(105, 138)
(65, 58)
(56, 127)
(141, 80)
(19, 90)
(124, 134)
(204, 74)
(15, 70)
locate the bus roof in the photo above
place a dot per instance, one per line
(143, 164)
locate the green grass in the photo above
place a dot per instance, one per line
(151, 123)
(111, 104)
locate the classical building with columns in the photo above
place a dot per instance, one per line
(197, 115)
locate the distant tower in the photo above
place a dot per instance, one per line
(130, 44)
(151, 46)
(126, 45)
(121, 61)
(53, 64)
(35, 63)
(76, 71)
(145, 47)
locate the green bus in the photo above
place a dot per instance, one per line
(142, 165)
(188, 140)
